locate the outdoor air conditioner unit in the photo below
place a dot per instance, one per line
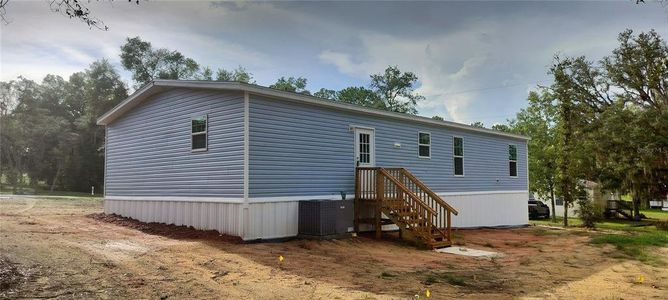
(323, 219)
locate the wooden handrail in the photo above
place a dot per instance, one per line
(406, 190)
(431, 212)
(429, 191)
(396, 191)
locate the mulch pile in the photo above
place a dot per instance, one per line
(170, 231)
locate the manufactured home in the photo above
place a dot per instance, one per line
(240, 158)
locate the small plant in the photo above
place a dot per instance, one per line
(589, 213)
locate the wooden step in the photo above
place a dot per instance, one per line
(405, 214)
(437, 236)
(440, 244)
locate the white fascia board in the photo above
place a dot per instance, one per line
(142, 93)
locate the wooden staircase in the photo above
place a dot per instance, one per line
(405, 201)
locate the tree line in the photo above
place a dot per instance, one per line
(605, 121)
(48, 132)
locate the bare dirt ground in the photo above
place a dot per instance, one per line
(63, 248)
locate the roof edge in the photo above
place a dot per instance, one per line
(150, 89)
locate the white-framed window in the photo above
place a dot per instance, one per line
(458, 155)
(512, 160)
(424, 144)
(198, 133)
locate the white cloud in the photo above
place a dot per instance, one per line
(62, 46)
(440, 61)
(452, 47)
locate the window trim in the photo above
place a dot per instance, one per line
(456, 156)
(420, 144)
(510, 160)
(205, 133)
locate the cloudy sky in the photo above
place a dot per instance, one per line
(476, 60)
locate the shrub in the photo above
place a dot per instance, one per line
(589, 213)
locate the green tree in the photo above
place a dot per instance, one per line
(620, 106)
(439, 118)
(638, 72)
(49, 132)
(478, 124)
(147, 64)
(35, 131)
(240, 74)
(538, 121)
(102, 89)
(205, 74)
(396, 90)
(501, 127)
(360, 96)
(325, 94)
(291, 84)
(573, 142)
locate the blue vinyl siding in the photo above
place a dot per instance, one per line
(149, 151)
(298, 149)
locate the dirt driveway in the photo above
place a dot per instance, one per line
(59, 248)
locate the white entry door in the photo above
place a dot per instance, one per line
(365, 147)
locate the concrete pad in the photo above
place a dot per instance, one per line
(469, 252)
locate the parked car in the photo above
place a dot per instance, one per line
(538, 209)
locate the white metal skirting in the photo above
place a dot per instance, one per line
(256, 221)
(223, 217)
(270, 220)
(489, 209)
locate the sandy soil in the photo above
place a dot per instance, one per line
(63, 248)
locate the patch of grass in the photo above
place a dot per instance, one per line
(559, 222)
(646, 239)
(655, 214)
(639, 246)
